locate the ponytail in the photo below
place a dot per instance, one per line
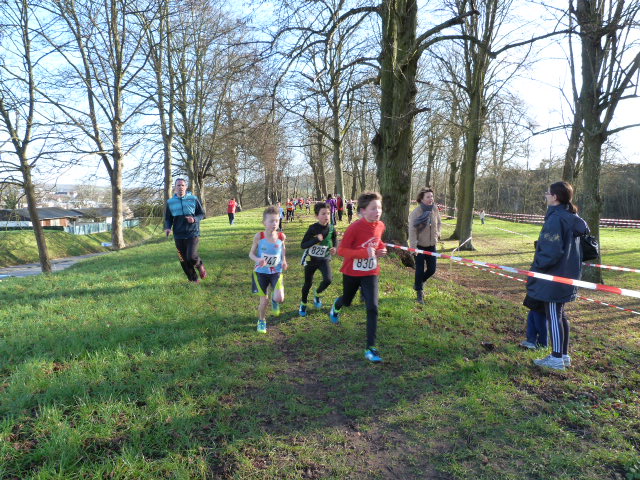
(564, 194)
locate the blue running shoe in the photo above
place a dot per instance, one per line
(303, 310)
(317, 301)
(372, 355)
(275, 308)
(262, 326)
(334, 314)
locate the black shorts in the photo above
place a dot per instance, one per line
(260, 282)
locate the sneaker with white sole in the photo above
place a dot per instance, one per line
(550, 362)
(372, 355)
(529, 345)
(566, 359)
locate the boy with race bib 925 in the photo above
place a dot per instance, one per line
(361, 247)
(269, 253)
(319, 243)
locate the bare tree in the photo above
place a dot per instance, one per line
(211, 61)
(101, 43)
(159, 48)
(326, 56)
(402, 47)
(20, 117)
(610, 56)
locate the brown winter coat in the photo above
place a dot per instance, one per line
(429, 235)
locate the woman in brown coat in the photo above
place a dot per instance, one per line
(424, 231)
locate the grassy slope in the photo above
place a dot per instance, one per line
(118, 367)
(18, 247)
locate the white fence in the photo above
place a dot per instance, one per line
(7, 224)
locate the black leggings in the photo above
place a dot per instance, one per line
(423, 275)
(309, 269)
(188, 256)
(369, 286)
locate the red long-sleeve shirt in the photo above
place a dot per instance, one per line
(353, 247)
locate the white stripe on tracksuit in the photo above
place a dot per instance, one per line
(554, 313)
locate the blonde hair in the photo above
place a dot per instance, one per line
(270, 210)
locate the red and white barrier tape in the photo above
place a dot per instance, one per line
(552, 278)
(596, 265)
(611, 267)
(579, 296)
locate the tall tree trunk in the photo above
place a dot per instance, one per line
(322, 176)
(362, 180)
(466, 184)
(117, 221)
(394, 156)
(159, 52)
(454, 166)
(431, 158)
(593, 132)
(354, 180)
(338, 164)
(38, 231)
(569, 172)
(454, 159)
(234, 173)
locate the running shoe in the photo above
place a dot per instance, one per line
(317, 301)
(529, 345)
(550, 362)
(372, 355)
(262, 326)
(566, 359)
(202, 271)
(275, 308)
(334, 314)
(303, 310)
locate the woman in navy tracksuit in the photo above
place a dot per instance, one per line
(559, 253)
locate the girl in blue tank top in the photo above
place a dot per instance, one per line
(269, 254)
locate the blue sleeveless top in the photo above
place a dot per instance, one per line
(272, 252)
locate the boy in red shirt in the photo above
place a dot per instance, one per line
(361, 247)
(231, 210)
(290, 210)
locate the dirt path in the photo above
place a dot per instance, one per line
(378, 447)
(57, 265)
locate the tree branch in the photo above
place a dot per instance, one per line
(438, 28)
(531, 40)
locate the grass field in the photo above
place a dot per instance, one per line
(18, 247)
(117, 368)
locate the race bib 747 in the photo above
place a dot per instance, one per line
(271, 260)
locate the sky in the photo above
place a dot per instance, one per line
(540, 89)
